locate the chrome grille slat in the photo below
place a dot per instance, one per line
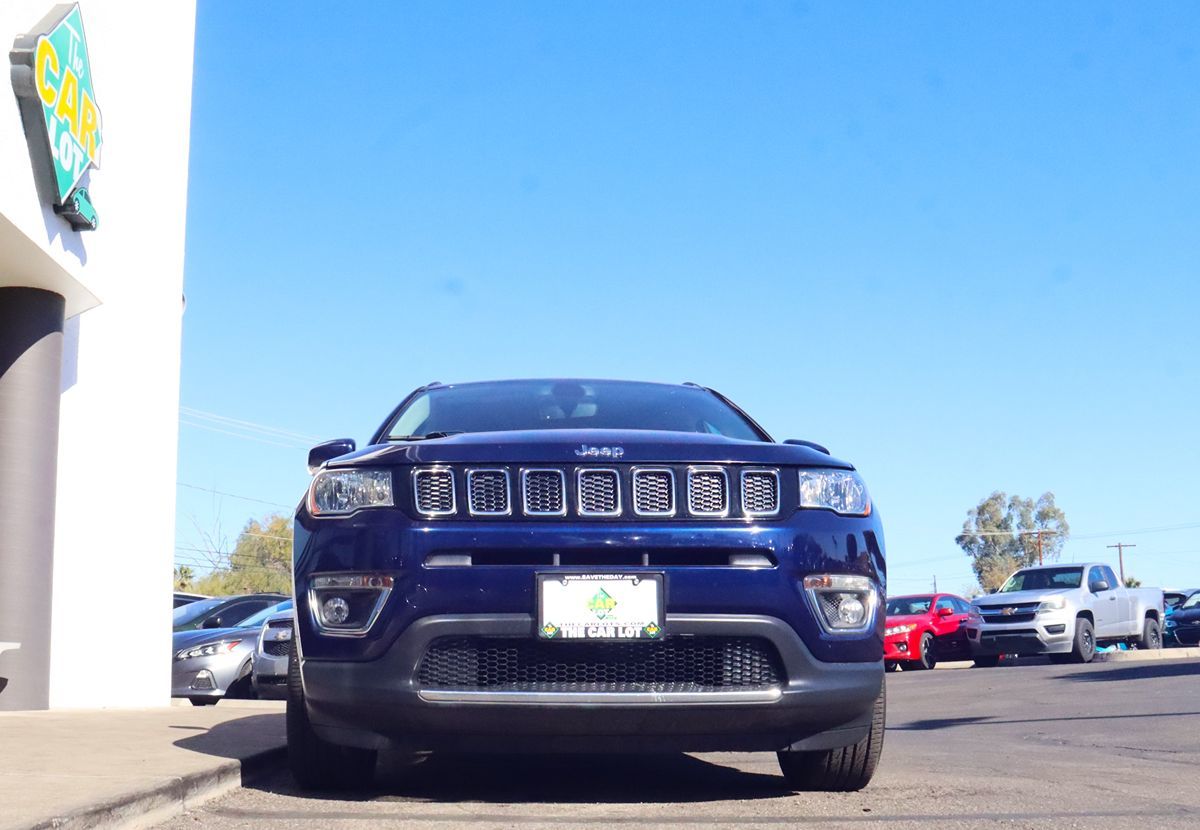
(543, 492)
(708, 491)
(760, 492)
(654, 491)
(433, 489)
(488, 492)
(599, 492)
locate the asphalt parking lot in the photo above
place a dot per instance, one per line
(1104, 745)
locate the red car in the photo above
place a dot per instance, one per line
(925, 628)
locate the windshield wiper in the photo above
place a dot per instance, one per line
(442, 434)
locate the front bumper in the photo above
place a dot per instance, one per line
(380, 704)
(270, 676)
(1051, 632)
(899, 648)
(206, 676)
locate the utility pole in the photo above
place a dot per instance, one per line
(935, 583)
(1039, 548)
(1120, 546)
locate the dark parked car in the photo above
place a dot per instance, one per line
(221, 612)
(184, 598)
(1183, 624)
(585, 566)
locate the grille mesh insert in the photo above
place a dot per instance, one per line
(687, 664)
(435, 491)
(707, 492)
(599, 493)
(760, 492)
(653, 492)
(544, 492)
(489, 492)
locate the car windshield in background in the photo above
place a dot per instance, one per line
(193, 611)
(1042, 579)
(255, 620)
(1191, 602)
(908, 605)
(505, 406)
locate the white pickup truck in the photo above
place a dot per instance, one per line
(1064, 611)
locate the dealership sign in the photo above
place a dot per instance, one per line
(52, 77)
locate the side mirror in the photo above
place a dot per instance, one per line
(945, 612)
(797, 442)
(212, 622)
(1098, 586)
(323, 452)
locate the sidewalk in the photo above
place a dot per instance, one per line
(129, 768)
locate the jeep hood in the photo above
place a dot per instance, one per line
(571, 446)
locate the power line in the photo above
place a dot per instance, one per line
(248, 425)
(249, 437)
(233, 495)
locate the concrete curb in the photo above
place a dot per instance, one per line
(154, 805)
(1142, 655)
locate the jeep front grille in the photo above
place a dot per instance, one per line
(684, 664)
(599, 493)
(708, 491)
(544, 492)
(760, 492)
(654, 492)
(435, 491)
(488, 492)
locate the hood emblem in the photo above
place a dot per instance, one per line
(1007, 612)
(585, 451)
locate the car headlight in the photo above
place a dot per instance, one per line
(844, 603)
(1053, 604)
(842, 491)
(898, 629)
(340, 492)
(207, 649)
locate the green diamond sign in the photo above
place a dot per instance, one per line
(52, 76)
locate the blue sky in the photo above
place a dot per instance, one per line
(957, 245)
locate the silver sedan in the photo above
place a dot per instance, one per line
(210, 664)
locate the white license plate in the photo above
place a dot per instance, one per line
(600, 606)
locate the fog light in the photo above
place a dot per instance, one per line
(902, 647)
(204, 681)
(347, 604)
(335, 610)
(851, 612)
(844, 603)
(1056, 629)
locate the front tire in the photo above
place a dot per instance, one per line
(844, 769)
(1084, 648)
(1151, 635)
(928, 658)
(316, 763)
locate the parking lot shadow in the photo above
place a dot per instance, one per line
(240, 737)
(559, 779)
(1138, 671)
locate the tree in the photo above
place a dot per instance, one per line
(1001, 535)
(183, 578)
(1133, 582)
(260, 561)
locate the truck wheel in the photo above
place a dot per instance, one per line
(1084, 648)
(315, 763)
(1151, 635)
(928, 658)
(843, 769)
(987, 661)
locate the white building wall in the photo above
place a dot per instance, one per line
(115, 522)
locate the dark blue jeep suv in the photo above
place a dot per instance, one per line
(578, 565)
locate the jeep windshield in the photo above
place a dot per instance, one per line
(503, 406)
(1043, 579)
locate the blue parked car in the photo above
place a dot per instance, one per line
(574, 565)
